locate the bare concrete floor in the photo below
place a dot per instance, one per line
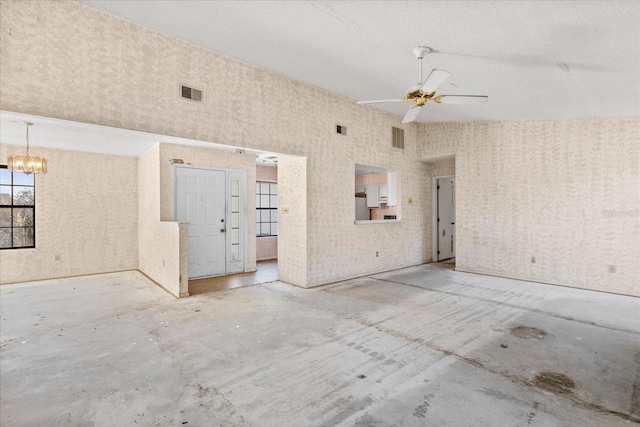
(421, 346)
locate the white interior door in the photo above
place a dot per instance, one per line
(446, 218)
(200, 199)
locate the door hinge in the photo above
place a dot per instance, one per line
(438, 187)
(438, 219)
(438, 252)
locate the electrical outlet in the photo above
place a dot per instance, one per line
(612, 269)
(533, 260)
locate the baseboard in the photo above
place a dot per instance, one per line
(357, 276)
(529, 279)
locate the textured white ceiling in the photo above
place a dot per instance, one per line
(534, 59)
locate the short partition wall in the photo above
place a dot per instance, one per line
(266, 248)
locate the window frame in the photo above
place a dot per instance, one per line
(12, 206)
(260, 208)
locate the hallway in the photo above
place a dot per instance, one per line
(266, 271)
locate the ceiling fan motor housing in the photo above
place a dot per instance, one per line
(421, 51)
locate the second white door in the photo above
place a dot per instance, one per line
(446, 200)
(201, 196)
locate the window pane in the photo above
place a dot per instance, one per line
(235, 252)
(22, 237)
(23, 217)
(5, 217)
(23, 195)
(257, 229)
(274, 229)
(22, 179)
(264, 201)
(235, 220)
(235, 188)
(257, 187)
(274, 216)
(273, 188)
(5, 237)
(235, 204)
(5, 176)
(274, 201)
(235, 236)
(265, 229)
(264, 215)
(258, 201)
(5, 194)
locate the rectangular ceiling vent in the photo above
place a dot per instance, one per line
(397, 137)
(191, 93)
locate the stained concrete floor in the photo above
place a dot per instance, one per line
(415, 347)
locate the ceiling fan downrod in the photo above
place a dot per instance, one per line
(420, 53)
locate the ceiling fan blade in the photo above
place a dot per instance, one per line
(378, 101)
(462, 99)
(435, 79)
(412, 114)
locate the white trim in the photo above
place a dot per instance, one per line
(241, 177)
(434, 216)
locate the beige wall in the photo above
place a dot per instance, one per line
(90, 67)
(565, 191)
(266, 173)
(162, 245)
(266, 247)
(292, 220)
(86, 217)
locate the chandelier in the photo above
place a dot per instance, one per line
(27, 164)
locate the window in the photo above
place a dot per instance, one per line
(266, 209)
(17, 210)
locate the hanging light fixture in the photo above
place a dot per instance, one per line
(27, 164)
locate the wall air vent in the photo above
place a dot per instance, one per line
(190, 93)
(397, 137)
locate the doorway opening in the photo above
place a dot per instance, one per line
(213, 201)
(266, 271)
(444, 220)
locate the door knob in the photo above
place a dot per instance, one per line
(222, 230)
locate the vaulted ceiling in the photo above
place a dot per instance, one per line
(534, 59)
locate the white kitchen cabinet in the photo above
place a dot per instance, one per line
(382, 193)
(392, 188)
(373, 196)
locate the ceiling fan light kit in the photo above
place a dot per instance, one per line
(426, 91)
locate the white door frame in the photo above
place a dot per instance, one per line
(242, 174)
(434, 216)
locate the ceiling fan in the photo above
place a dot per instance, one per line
(423, 92)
